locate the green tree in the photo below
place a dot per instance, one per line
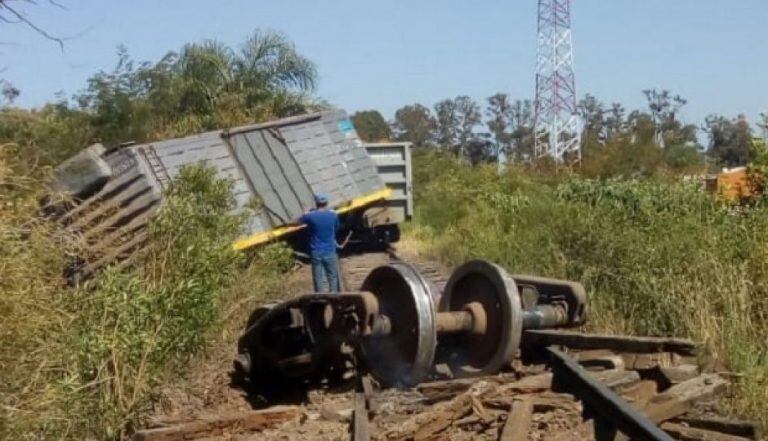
(448, 121)
(730, 141)
(8, 92)
(371, 126)
(522, 129)
(592, 114)
(469, 116)
(511, 124)
(641, 128)
(479, 150)
(457, 120)
(664, 108)
(202, 74)
(45, 136)
(203, 86)
(615, 122)
(270, 72)
(416, 124)
(499, 112)
(641, 144)
(115, 101)
(683, 157)
(763, 125)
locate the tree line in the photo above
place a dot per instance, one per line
(209, 85)
(201, 86)
(640, 140)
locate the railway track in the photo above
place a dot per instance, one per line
(567, 385)
(356, 267)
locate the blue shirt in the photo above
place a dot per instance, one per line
(322, 225)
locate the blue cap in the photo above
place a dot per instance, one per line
(321, 198)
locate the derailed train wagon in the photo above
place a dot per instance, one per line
(276, 166)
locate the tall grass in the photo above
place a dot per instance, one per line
(86, 362)
(657, 258)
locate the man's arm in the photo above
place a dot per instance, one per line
(301, 220)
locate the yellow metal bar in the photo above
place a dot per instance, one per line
(268, 236)
(362, 201)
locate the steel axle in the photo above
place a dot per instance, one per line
(401, 326)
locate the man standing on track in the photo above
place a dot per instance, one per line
(322, 224)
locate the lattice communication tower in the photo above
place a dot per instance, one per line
(556, 125)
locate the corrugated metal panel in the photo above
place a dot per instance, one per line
(393, 165)
(332, 158)
(273, 175)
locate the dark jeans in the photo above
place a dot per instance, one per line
(325, 273)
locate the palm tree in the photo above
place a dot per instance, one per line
(268, 68)
(266, 78)
(203, 73)
(203, 86)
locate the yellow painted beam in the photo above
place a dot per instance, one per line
(362, 201)
(268, 236)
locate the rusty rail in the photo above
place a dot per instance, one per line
(611, 412)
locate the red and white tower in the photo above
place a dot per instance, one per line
(556, 126)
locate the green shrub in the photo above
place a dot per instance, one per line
(657, 258)
(130, 327)
(100, 351)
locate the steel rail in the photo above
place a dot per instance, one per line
(607, 406)
(619, 343)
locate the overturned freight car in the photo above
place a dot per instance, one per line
(281, 164)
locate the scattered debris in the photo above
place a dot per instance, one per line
(224, 425)
(685, 433)
(341, 412)
(657, 379)
(746, 429)
(360, 429)
(518, 420)
(679, 374)
(680, 398)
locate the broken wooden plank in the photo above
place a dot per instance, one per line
(679, 374)
(576, 340)
(444, 387)
(461, 384)
(479, 409)
(686, 433)
(747, 429)
(550, 401)
(339, 412)
(437, 421)
(639, 394)
(527, 385)
(617, 379)
(360, 429)
(648, 361)
(678, 399)
(584, 431)
(542, 402)
(600, 360)
(443, 370)
(446, 390)
(246, 422)
(370, 394)
(516, 427)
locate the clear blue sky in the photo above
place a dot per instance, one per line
(385, 54)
